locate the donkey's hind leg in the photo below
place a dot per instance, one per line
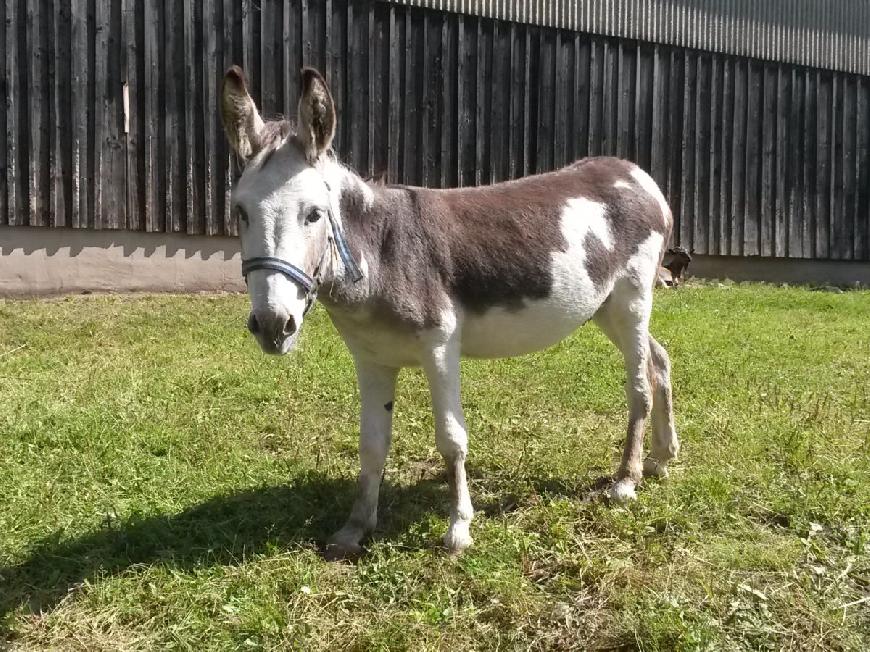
(624, 318)
(665, 444)
(441, 367)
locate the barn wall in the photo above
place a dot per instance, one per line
(111, 118)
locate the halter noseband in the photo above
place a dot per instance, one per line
(309, 284)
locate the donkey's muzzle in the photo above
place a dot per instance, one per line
(272, 331)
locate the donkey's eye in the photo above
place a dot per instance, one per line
(243, 216)
(313, 216)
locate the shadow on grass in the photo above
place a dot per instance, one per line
(223, 530)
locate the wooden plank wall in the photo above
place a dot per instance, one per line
(757, 158)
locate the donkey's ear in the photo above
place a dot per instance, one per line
(242, 122)
(316, 117)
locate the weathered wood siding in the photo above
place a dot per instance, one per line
(757, 158)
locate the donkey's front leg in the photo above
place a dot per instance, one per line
(377, 387)
(451, 438)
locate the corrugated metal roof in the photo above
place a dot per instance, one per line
(831, 34)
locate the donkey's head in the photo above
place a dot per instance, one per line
(284, 205)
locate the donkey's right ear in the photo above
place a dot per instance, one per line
(242, 122)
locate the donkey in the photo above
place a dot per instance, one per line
(418, 277)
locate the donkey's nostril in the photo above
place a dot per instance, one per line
(289, 327)
(253, 324)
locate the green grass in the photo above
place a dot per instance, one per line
(164, 485)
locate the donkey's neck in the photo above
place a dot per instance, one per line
(353, 203)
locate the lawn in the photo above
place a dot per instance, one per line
(164, 485)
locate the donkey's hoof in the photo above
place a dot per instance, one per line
(457, 539)
(652, 468)
(342, 551)
(623, 491)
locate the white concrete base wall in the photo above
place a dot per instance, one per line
(781, 270)
(35, 261)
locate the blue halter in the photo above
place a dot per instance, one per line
(308, 283)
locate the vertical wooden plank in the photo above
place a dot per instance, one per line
(79, 110)
(17, 133)
(596, 98)
(794, 165)
(232, 55)
(37, 164)
(515, 110)
(325, 36)
(464, 102)
(810, 159)
(372, 88)
(359, 52)
(727, 164)
(862, 172)
(626, 89)
(499, 100)
(751, 223)
(643, 106)
(193, 224)
(116, 123)
(676, 114)
(712, 217)
(5, 99)
(315, 38)
(448, 86)
(251, 48)
(291, 54)
(689, 137)
(61, 136)
(524, 169)
(271, 61)
(658, 136)
(483, 72)
(851, 133)
(824, 96)
(610, 89)
(305, 34)
(468, 142)
(781, 153)
(337, 67)
(433, 89)
(381, 96)
(841, 231)
(101, 87)
(115, 198)
(51, 164)
(768, 178)
(173, 133)
(582, 83)
(460, 101)
(132, 83)
(394, 92)
(543, 104)
(210, 62)
(560, 105)
(738, 158)
(701, 208)
(155, 88)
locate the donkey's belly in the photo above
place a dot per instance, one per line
(500, 333)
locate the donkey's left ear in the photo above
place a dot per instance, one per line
(316, 117)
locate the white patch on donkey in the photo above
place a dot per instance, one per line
(572, 301)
